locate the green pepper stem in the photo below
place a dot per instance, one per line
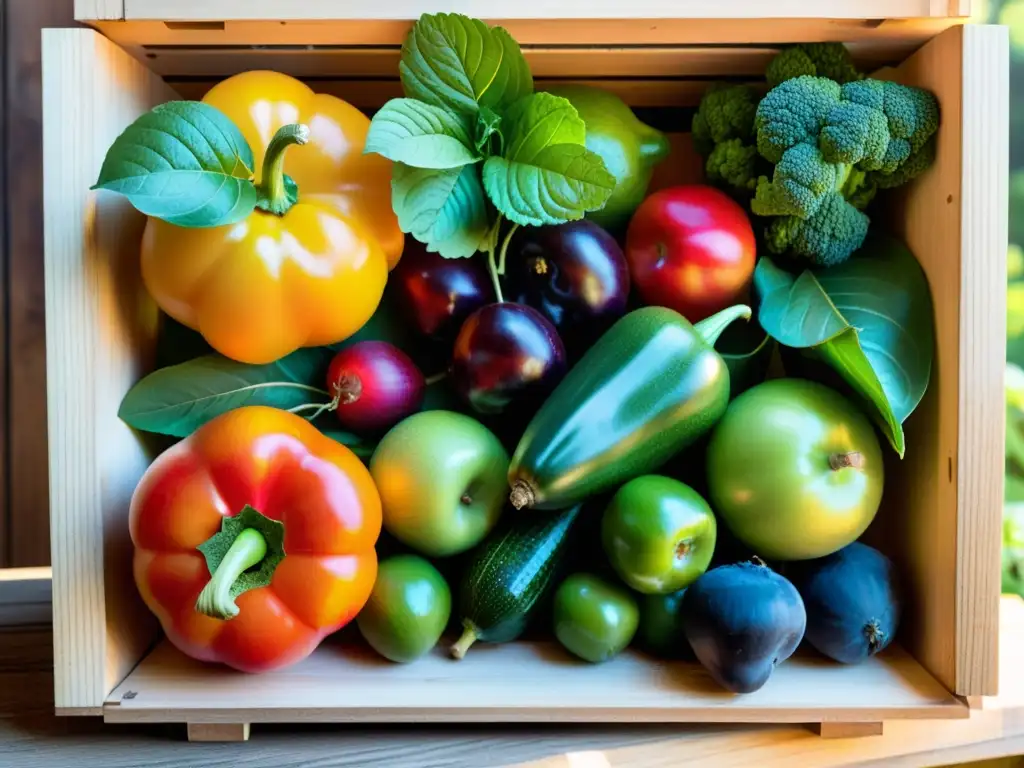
(711, 327)
(272, 190)
(469, 637)
(248, 548)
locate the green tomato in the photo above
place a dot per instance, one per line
(659, 534)
(794, 470)
(661, 626)
(407, 610)
(594, 619)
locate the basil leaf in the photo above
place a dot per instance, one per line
(869, 320)
(184, 162)
(179, 399)
(420, 135)
(459, 63)
(546, 175)
(445, 209)
(488, 123)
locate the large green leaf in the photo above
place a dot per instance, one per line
(546, 175)
(461, 64)
(869, 320)
(421, 135)
(184, 162)
(445, 209)
(181, 398)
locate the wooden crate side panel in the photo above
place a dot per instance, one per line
(982, 411)
(90, 10)
(189, 10)
(100, 328)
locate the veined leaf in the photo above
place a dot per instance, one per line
(184, 162)
(445, 209)
(868, 319)
(421, 135)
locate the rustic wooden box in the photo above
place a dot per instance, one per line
(941, 516)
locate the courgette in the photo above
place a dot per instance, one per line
(508, 574)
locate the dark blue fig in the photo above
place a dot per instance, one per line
(741, 621)
(853, 602)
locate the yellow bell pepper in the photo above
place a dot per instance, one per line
(294, 273)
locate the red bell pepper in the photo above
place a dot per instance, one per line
(254, 539)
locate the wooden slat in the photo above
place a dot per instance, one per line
(352, 684)
(101, 328)
(25, 597)
(88, 10)
(222, 10)
(943, 502)
(5, 523)
(370, 94)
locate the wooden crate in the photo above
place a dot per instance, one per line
(941, 516)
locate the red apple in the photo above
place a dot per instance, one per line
(691, 248)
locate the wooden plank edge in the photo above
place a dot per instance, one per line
(26, 597)
(832, 729)
(78, 711)
(981, 442)
(218, 732)
(97, 10)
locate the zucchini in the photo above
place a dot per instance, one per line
(509, 573)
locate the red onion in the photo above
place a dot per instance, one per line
(377, 385)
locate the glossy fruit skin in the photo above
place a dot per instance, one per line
(691, 248)
(594, 618)
(854, 602)
(741, 621)
(649, 387)
(510, 572)
(377, 385)
(438, 294)
(629, 148)
(440, 475)
(270, 284)
(769, 473)
(407, 610)
(574, 274)
(658, 533)
(506, 356)
(280, 464)
(661, 626)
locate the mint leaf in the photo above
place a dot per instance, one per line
(459, 63)
(488, 123)
(445, 209)
(420, 135)
(546, 175)
(184, 162)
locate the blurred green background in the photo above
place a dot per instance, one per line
(1011, 13)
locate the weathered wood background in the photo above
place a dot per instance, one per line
(24, 525)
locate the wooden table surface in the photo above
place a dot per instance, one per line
(32, 737)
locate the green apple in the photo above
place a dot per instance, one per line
(442, 481)
(659, 534)
(594, 619)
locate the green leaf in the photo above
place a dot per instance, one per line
(445, 209)
(546, 175)
(461, 64)
(178, 400)
(184, 162)
(420, 135)
(747, 351)
(488, 123)
(869, 320)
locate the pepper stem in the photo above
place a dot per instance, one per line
(248, 549)
(711, 327)
(521, 495)
(276, 192)
(469, 636)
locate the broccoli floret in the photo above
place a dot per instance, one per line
(734, 164)
(833, 147)
(725, 112)
(831, 60)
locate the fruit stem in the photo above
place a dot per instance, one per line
(435, 378)
(875, 635)
(274, 195)
(521, 494)
(458, 650)
(854, 459)
(348, 389)
(759, 562)
(711, 327)
(504, 249)
(248, 549)
(492, 268)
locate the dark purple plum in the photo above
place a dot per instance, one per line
(507, 357)
(438, 294)
(575, 274)
(853, 602)
(741, 621)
